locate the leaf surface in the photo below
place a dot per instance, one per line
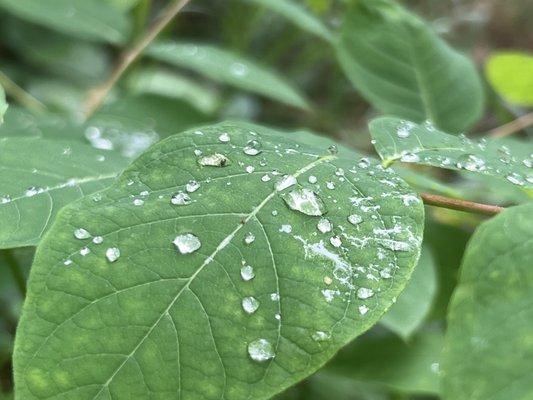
(40, 176)
(489, 319)
(397, 139)
(3, 104)
(221, 287)
(403, 68)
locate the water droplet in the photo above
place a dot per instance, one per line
(364, 163)
(81, 233)
(330, 185)
(335, 241)
(305, 201)
(224, 137)
(239, 69)
(252, 148)
(261, 350)
(144, 193)
(138, 202)
(247, 273)
(187, 243)
(404, 130)
(67, 262)
(355, 219)
(385, 273)
(250, 304)
(249, 169)
(84, 251)
(324, 225)
(192, 186)
(363, 310)
(333, 149)
(249, 238)
(320, 336)
(410, 157)
(285, 228)
(274, 296)
(32, 191)
(364, 293)
(285, 182)
(328, 280)
(5, 199)
(198, 152)
(515, 179)
(265, 178)
(180, 199)
(470, 162)
(312, 179)
(214, 160)
(112, 254)
(98, 239)
(277, 316)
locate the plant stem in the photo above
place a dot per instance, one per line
(16, 271)
(518, 124)
(97, 95)
(20, 95)
(461, 205)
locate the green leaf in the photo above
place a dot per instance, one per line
(511, 75)
(396, 139)
(403, 68)
(3, 104)
(488, 350)
(229, 68)
(298, 15)
(40, 176)
(172, 313)
(410, 367)
(414, 304)
(93, 20)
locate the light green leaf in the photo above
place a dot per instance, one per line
(489, 351)
(180, 259)
(511, 75)
(86, 19)
(40, 176)
(298, 15)
(410, 367)
(169, 84)
(397, 139)
(229, 68)
(403, 68)
(3, 104)
(414, 304)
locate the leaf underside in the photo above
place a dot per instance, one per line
(160, 324)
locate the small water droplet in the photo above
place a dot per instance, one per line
(324, 225)
(224, 137)
(515, 179)
(335, 241)
(32, 191)
(410, 157)
(265, 178)
(67, 262)
(138, 202)
(192, 186)
(364, 163)
(249, 238)
(364, 293)
(250, 169)
(198, 152)
(363, 310)
(312, 179)
(81, 233)
(5, 199)
(180, 199)
(252, 148)
(84, 251)
(187, 243)
(285, 182)
(277, 316)
(404, 130)
(286, 228)
(355, 219)
(112, 254)
(274, 296)
(98, 239)
(261, 350)
(305, 201)
(320, 336)
(333, 149)
(250, 304)
(239, 69)
(470, 162)
(214, 160)
(247, 273)
(330, 185)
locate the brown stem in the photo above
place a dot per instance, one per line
(97, 95)
(514, 126)
(20, 95)
(461, 205)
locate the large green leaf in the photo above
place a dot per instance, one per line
(40, 176)
(397, 139)
(403, 68)
(229, 68)
(196, 234)
(86, 19)
(298, 15)
(511, 75)
(414, 304)
(3, 104)
(489, 351)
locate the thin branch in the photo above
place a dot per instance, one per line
(514, 126)
(20, 95)
(97, 95)
(461, 205)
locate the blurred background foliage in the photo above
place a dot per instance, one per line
(274, 63)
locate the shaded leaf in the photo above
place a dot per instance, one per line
(489, 319)
(403, 68)
(396, 139)
(229, 68)
(40, 176)
(167, 290)
(511, 75)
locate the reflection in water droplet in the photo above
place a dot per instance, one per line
(305, 201)
(5, 199)
(285, 182)
(214, 160)
(187, 243)
(67, 262)
(252, 148)
(249, 238)
(364, 163)
(265, 178)
(324, 225)
(192, 186)
(250, 304)
(32, 191)
(261, 350)
(470, 162)
(247, 273)
(364, 293)
(180, 199)
(286, 228)
(320, 336)
(112, 254)
(81, 233)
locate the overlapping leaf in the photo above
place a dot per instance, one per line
(403, 68)
(397, 139)
(3, 104)
(489, 351)
(205, 272)
(40, 176)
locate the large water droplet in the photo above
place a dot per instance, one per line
(305, 201)
(252, 148)
(180, 199)
(320, 336)
(214, 160)
(250, 304)
(81, 233)
(249, 238)
(247, 273)
(285, 182)
(324, 225)
(112, 254)
(470, 162)
(192, 186)
(364, 293)
(261, 350)
(187, 243)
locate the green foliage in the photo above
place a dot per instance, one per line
(511, 75)
(406, 141)
(490, 316)
(403, 68)
(211, 266)
(3, 104)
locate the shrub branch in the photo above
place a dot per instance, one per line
(461, 205)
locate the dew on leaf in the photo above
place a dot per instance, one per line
(224, 137)
(364, 293)
(335, 241)
(321, 336)
(363, 309)
(198, 152)
(250, 304)
(5, 199)
(247, 273)
(32, 191)
(261, 350)
(364, 163)
(67, 262)
(239, 69)
(192, 186)
(112, 254)
(324, 225)
(515, 178)
(252, 148)
(187, 243)
(305, 201)
(84, 251)
(249, 169)
(277, 316)
(98, 239)
(249, 238)
(330, 185)
(312, 179)
(138, 202)
(470, 162)
(328, 280)
(214, 160)
(285, 182)
(404, 130)
(81, 233)
(180, 199)
(333, 149)
(355, 219)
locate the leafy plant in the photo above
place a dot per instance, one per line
(160, 253)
